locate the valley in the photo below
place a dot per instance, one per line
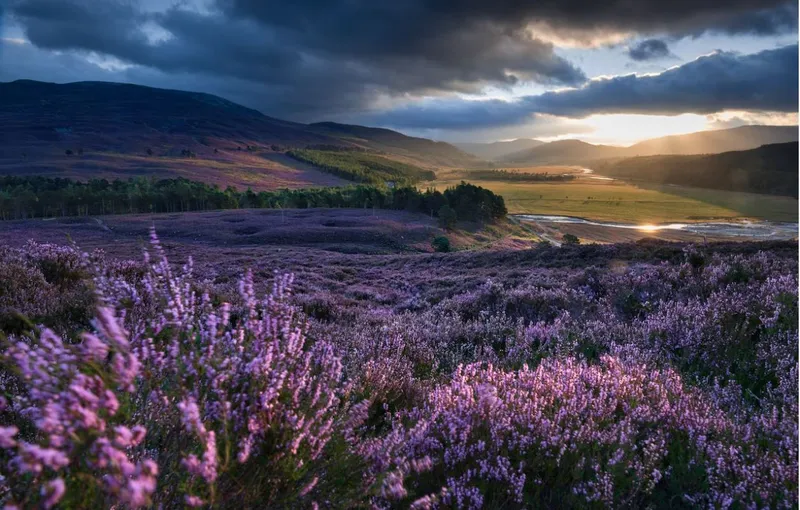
(423, 255)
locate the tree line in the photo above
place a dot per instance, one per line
(505, 175)
(46, 197)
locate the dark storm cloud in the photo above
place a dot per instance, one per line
(649, 49)
(309, 58)
(765, 81)
(398, 26)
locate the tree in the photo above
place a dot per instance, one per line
(570, 239)
(149, 151)
(441, 244)
(447, 217)
(68, 152)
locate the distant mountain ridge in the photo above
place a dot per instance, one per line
(496, 150)
(574, 152)
(562, 152)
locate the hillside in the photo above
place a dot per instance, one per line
(109, 130)
(716, 141)
(496, 150)
(569, 152)
(418, 150)
(363, 167)
(771, 169)
(575, 152)
(105, 116)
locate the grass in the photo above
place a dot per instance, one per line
(750, 205)
(361, 166)
(623, 202)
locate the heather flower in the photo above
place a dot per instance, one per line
(589, 427)
(75, 417)
(444, 388)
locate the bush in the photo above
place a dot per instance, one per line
(441, 244)
(570, 239)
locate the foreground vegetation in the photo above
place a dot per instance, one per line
(42, 197)
(362, 166)
(670, 382)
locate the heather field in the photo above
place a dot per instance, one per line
(330, 360)
(229, 166)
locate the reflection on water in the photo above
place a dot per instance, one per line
(752, 229)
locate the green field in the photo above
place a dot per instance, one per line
(618, 201)
(362, 166)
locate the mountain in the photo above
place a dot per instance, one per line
(771, 169)
(562, 152)
(574, 152)
(714, 142)
(495, 150)
(418, 150)
(121, 116)
(110, 130)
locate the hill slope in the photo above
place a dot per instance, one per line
(113, 130)
(574, 152)
(716, 141)
(771, 169)
(419, 150)
(496, 150)
(122, 116)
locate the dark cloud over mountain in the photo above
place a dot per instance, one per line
(764, 81)
(311, 58)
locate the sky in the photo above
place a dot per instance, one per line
(612, 72)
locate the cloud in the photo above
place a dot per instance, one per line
(721, 81)
(649, 49)
(537, 126)
(736, 119)
(764, 81)
(308, 58)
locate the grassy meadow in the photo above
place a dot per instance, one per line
(620, 201)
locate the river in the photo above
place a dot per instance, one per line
(761, 230)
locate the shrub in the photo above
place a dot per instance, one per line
(441, 244)
(570, 239)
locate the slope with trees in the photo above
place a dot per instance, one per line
(362, 166)
(771, 169)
